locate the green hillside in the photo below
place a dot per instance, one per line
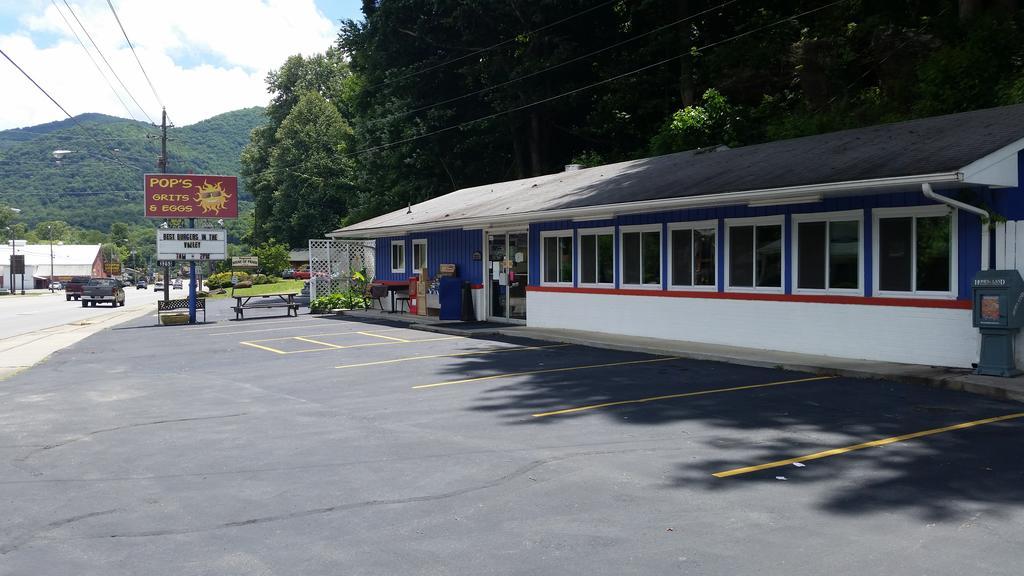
(89, 188)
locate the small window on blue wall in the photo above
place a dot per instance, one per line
(398, 256)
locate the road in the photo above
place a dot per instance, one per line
(24, 314)
(323, 445)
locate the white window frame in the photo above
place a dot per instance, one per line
(779, 220)
(702, 224)
(543, 255)
(917, 212)
(426, 256)
(392, 256)
(604, 231)
(844, 216)
(623, 230)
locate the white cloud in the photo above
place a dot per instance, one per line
(203, 56)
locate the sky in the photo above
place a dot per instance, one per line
(204, 57)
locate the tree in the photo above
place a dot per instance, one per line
(711, 123)
(273, 257)
(311, 171)
(325, 75)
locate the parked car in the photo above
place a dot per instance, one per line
(103, 290)
(301, 275)
(141, 285)
(73, 288)
(288, 274)
(56, 286)
(176, 284)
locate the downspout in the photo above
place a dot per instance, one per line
(926, 188)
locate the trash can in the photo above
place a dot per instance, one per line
(450, 296)
(468, 313)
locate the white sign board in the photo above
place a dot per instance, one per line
(191, 244)
(245, 262)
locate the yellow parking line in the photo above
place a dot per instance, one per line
(254, 344)
(383, 336)
(547, 370)
(674, 396)
(227, 327)
(274, 350)
(470, 353)
(345, 333)
(872, 444)
(311, 341)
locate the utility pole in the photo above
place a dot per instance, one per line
(49, 228)
(163, 170)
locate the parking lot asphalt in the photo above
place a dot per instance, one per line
(317, 445)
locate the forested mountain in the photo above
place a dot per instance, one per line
(431, 96)
(100, 181)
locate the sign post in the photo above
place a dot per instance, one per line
(18, 267)
(192, 196)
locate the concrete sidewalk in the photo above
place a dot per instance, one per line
(938, 377)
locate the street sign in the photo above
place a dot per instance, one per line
(18, 264)
(191, 196)
(245, 262)
(113, 268)
(191, 244)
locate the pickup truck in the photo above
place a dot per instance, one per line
(73, 289)
(107, 290)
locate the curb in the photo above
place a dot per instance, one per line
(960, 380)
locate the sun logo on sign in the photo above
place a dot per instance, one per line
(212, 198)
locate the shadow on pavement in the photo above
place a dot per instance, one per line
(977, 470)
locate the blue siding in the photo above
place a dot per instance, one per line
(457, 246)
(443, 247)
(969, 227)
(383, 261)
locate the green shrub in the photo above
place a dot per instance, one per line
(223, 279)
(347, 301)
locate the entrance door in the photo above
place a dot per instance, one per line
(508, 275)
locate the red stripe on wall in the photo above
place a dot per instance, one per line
(812, 298)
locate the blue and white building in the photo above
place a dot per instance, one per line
(856, 244)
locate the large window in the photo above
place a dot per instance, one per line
(915, 251)
(398, 256)
(641, 255)
(691, 249)
(597, 257)
(755, 253)
(419, 254)
(828, 252)
(556, 258)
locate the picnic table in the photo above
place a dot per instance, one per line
(273, 300)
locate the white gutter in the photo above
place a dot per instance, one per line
(926, 188)
(646, 206)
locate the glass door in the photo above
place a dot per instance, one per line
(507, 275)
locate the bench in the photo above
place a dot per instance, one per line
(282, 300)
(178, 304)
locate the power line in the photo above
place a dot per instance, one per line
(493, 46)
(57, 104)
(104, 58)
(885, 58)
(91, 59)
(595, 84)
(554, 66)
(159, 101)
(574, 91)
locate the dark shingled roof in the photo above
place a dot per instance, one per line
(941, 144)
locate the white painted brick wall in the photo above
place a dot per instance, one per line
(931, 336)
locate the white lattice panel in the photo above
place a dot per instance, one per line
(332, 262)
